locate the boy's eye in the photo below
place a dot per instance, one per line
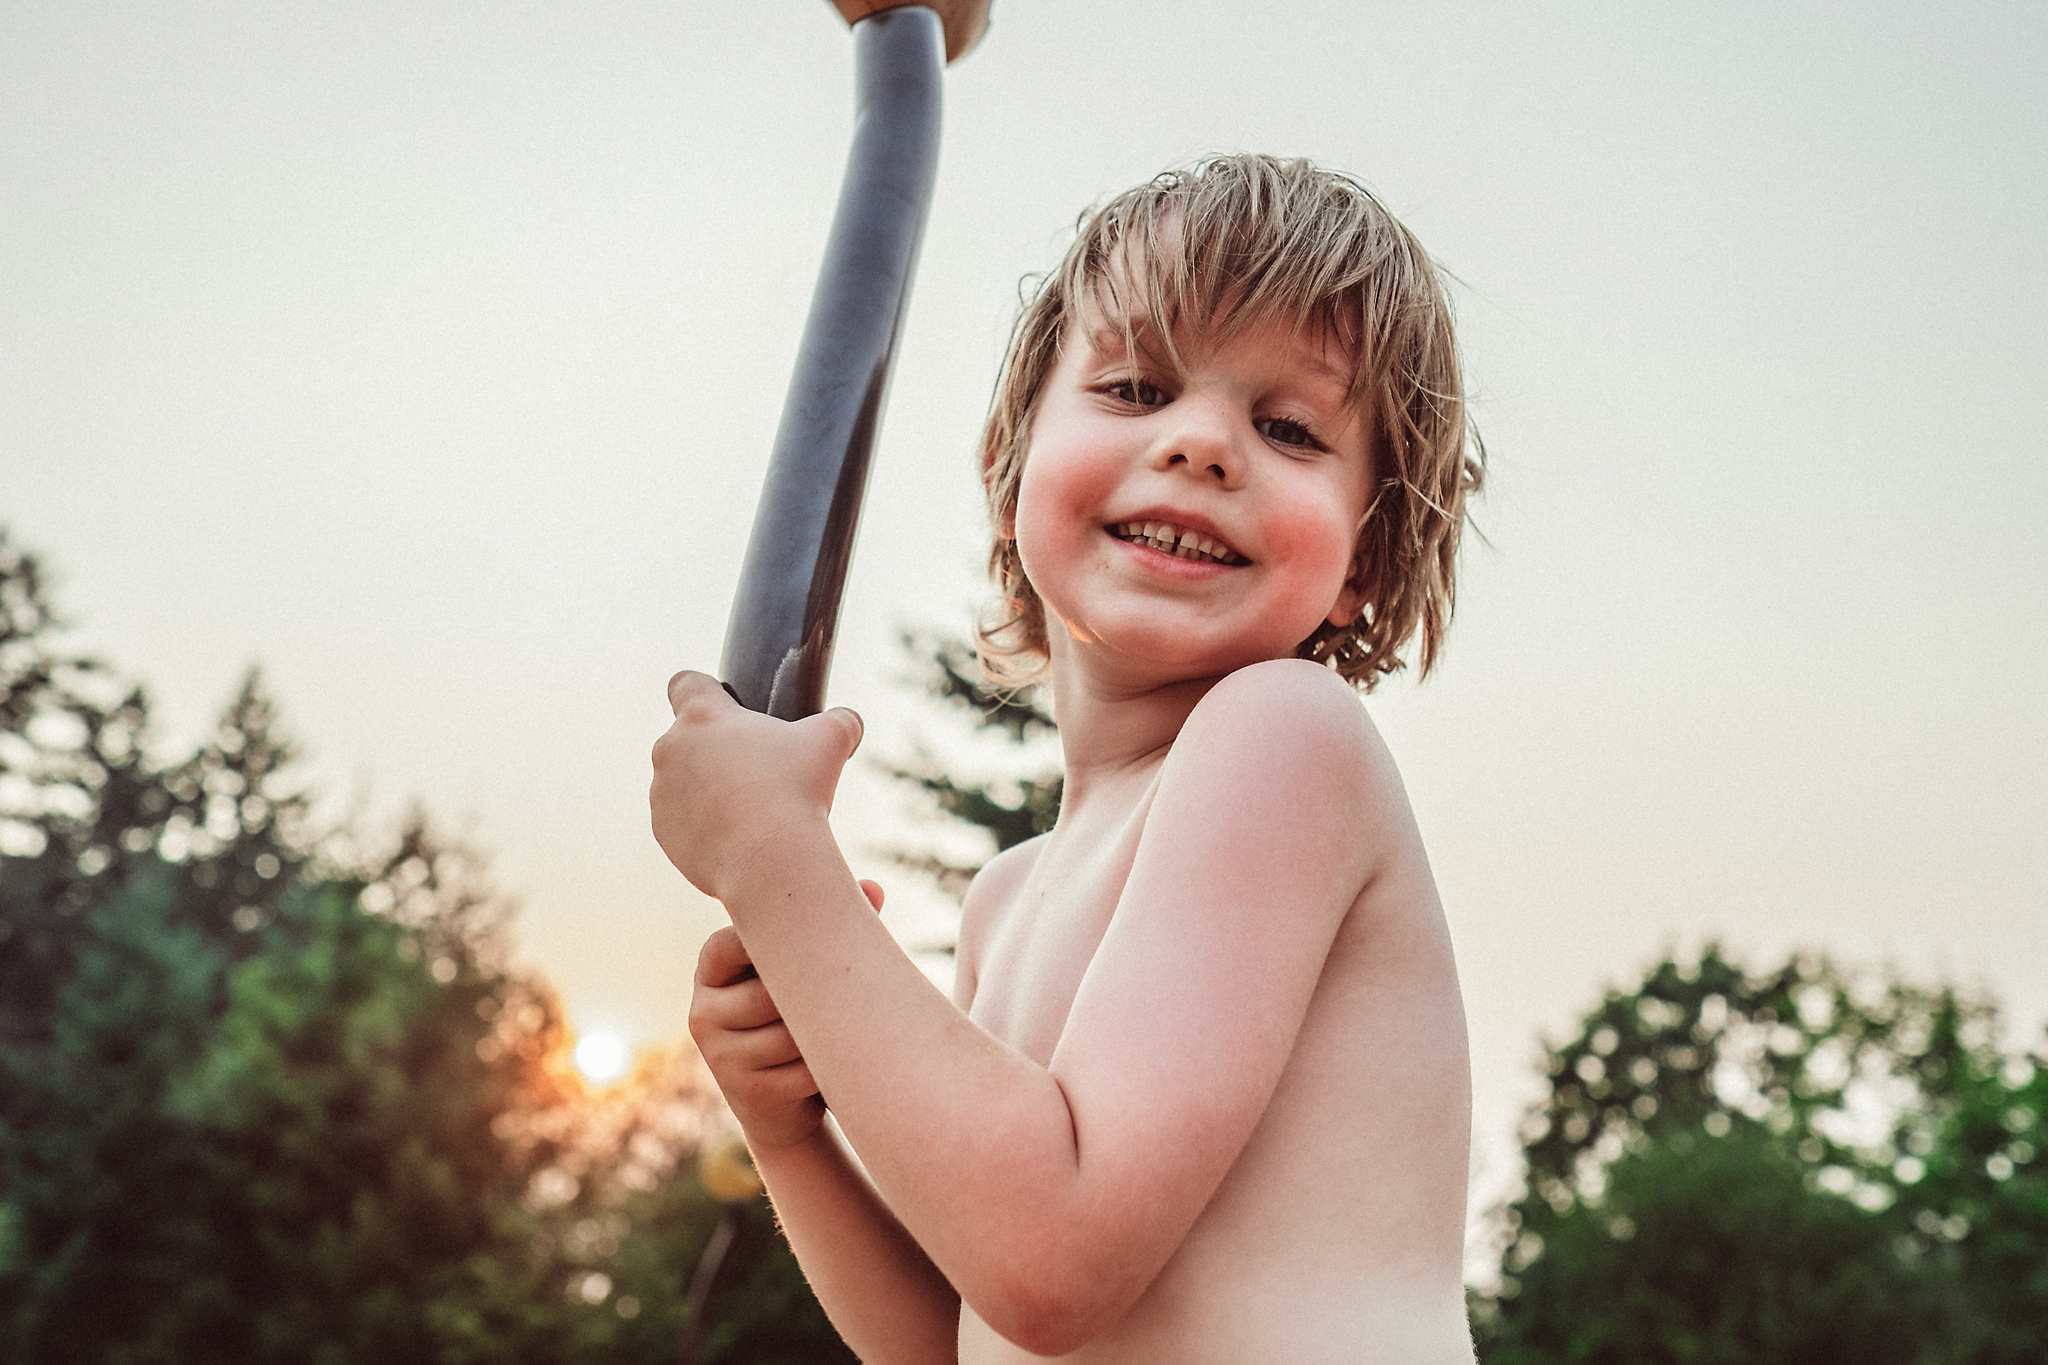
(1287, 433)
(1140, 393)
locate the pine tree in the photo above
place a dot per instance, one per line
(56, 729)
(1008, 809)
(275, 1093)
(83, 803)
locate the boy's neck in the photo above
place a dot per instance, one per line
(1113, 723)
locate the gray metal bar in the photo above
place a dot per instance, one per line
(778, 643)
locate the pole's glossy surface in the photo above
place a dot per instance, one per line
(778, 646)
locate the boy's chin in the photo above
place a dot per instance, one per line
(1144, 654)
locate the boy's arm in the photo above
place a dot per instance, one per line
(881, 1291)
(883, 1294)
(1051, 1196)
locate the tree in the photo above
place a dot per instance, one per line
(1006, 809)
(310, 1170)
(82, 800)
(274, 1093)
(96, 1205)
(1779, 1166)
(61, 717)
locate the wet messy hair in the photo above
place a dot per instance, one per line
(1228, 242)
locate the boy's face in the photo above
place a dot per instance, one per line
(1251, 448)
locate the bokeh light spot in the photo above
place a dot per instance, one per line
(601, 1056)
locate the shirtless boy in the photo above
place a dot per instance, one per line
(1201, 1094)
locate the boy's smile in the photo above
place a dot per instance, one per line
(1184, 542)
(1201, 516)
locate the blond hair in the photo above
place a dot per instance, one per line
(1227, 242)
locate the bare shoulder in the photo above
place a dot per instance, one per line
(1293, 744)
(1298, 721)
(993, 890)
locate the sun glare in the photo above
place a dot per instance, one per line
(601, 1056)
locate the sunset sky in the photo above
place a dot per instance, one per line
(429, 354)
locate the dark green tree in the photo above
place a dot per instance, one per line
(269, 1094)
(82, 800)
(307, 1172)
(1778, 1166)
(1008, 809)
(99, 1222)
(66, 733)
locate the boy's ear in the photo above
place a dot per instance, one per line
(1350, 602)
(1357, 589)
(1351, 598)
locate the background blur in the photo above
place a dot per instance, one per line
(430, 353)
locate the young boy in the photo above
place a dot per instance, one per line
(1201, 1094)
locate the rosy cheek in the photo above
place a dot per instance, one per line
(1037, 528)
(1061, 491)
(1315, 540)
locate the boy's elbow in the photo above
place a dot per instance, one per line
(1043, 1324)
(1050, 1314)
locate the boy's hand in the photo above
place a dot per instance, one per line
(740, 1033)
(727, 780)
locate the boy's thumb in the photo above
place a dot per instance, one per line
(850, 725)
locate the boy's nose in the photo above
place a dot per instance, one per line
(1201, 441)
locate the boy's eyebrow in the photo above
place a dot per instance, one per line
(1108, 339)
(1325, 370)
(1108, 333)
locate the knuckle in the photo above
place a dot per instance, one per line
(721, 952)
(794, 1080)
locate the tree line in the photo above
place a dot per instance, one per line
(270, 1092)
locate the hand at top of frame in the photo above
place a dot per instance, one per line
(964, 21)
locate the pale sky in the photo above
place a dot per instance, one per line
(429, 354)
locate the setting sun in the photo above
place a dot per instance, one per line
(601, 1056)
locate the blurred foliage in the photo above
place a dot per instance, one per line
(268, 1093)
(1787, 1166)
(1007, 809)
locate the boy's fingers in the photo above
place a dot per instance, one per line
(723, 959)
(739, 1007)
(846, 725)
(690, 686)
(737, 1032)
(873, 891)
(792, 1080)
(760, 1049)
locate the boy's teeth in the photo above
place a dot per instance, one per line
(1173, 540)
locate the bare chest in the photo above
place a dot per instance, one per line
(1041, 941)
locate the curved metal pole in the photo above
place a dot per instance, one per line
(778, 645)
